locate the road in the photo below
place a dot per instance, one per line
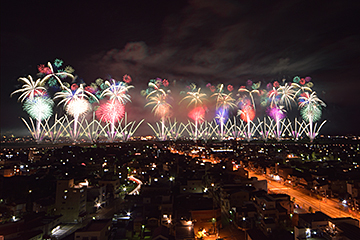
(328, 206)
(138, 187)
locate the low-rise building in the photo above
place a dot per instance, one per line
(95, 230)
(70, 200)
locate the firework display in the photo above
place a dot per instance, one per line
(114, 109)
(79, 102)
(197, 114)
(256, 110)
(158, 97)
(224, 102)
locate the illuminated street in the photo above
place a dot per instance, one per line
(137, 189)
(327, 206)
(64, 230)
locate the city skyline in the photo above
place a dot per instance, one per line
(197, 42)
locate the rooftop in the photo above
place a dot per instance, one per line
(95, 226)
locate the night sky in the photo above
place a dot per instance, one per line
(200, 41)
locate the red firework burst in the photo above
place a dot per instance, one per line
(197, 114)
(43, 69)
(110, 111)
(247, 113)
(127, 79)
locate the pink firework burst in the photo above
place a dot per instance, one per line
(276, 113)
(165, 83)
(110, 111)
(43, 69)
(197, 114)
(127, 79)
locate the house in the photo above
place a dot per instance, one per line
(313, 220)
(46, 205)
(32, 226)
(70, 200)
(255, 234)
(193, 186)
(319, 225)
(96, 229)
(270, 171)
(112, 186)
(195, 214)
(344, 228)
(321, 186)
(246, 215)
(284, 171)
(161, 233)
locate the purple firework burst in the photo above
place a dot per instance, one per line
(276, 113)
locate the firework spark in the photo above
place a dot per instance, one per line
(78, 107)
(49, 71)
(310, 99)
(287, 94)
(310, 106)
(39, 107)
(161, 107)
(196, 97)
(75, 103)
(250, 94)
(276, 113)
(110, 111)
(311, 112)
(224, 100)
(197, 114)
(247, 113)
(30, 89)
(69, 95)
(223, 103)
(117, 91)
(158, 97)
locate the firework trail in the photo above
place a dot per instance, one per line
(39, 108)
(158, 98)
(117, 92)
(223, 103)
(112, 112)
(37, 104)
(51, 74)
(76, 103)
(277, 113)
(254, 89)
(287, 93)
(197, 114)
(196, 98)
(247, 114)
(30, 89)
(310, 106)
